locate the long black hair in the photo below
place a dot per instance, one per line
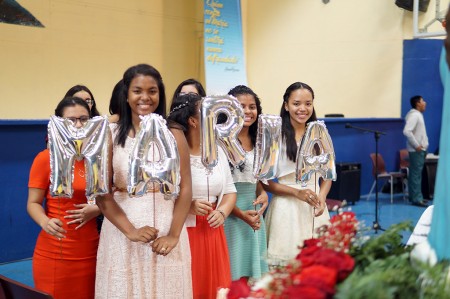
(117, 97)
(243, 90)
(74, 89)
(125, 122)
(287, 130)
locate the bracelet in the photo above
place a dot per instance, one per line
(221, 212)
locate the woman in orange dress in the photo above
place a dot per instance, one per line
(64, 258)
(213, 199)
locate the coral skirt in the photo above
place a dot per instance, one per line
(66, 268)
(210, 259)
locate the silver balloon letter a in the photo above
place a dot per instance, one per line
(267, 147)
(154, 159)
(316, 154)
(226, 133)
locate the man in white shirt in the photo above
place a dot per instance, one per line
(417, 145)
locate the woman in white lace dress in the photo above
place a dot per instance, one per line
(213, 198)
(144, 248)
(294, 211)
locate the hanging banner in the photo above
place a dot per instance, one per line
(224, 50)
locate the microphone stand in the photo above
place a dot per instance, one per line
(376, 225)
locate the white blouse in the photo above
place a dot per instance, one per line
(218, 183)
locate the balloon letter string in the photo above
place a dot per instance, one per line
(314, 210)
(315, 155)
(67, 143)
(153, 189)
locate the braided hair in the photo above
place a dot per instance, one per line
(183, 107)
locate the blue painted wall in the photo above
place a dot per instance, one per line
(351, 145)
(21, 141)
(421, 77)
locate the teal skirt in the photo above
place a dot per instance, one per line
(247, 248)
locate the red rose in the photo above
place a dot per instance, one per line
(346, 265)
(239, 289)
(319, 276)
(340, 261)
(307, 252)
(304, 292)
(311, 242)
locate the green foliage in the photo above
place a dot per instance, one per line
(382, 246)
(384, 270)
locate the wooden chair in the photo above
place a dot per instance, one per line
(384, 175)
(404, 167)
(404, 160)
(11, 289)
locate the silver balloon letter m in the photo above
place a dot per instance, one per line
(67, 143)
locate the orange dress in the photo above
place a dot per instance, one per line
(209, 250)
(64, 268)
(210, 259)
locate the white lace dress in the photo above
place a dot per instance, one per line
(289, 221)
(128, 269)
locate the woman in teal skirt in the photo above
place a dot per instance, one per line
(245, 228)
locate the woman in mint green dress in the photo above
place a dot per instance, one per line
(245, 227)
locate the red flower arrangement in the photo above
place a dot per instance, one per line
(314, 273)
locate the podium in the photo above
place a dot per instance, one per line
(348, 183)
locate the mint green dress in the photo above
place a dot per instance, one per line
(247, 248)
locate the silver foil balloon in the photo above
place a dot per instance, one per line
(267, 147)
(67, 143)
(154, 159)
(225, 134)
(316, 154)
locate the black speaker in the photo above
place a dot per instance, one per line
(429, 178)
(348, 183)
(409, 4)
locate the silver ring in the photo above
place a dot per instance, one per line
(311, 197)
(81, 220)
(163, 249)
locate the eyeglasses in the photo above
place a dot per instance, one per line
(82, 119)
(188, 93)
(89, 101)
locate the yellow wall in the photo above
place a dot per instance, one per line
(92, 42)
(349, 51)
